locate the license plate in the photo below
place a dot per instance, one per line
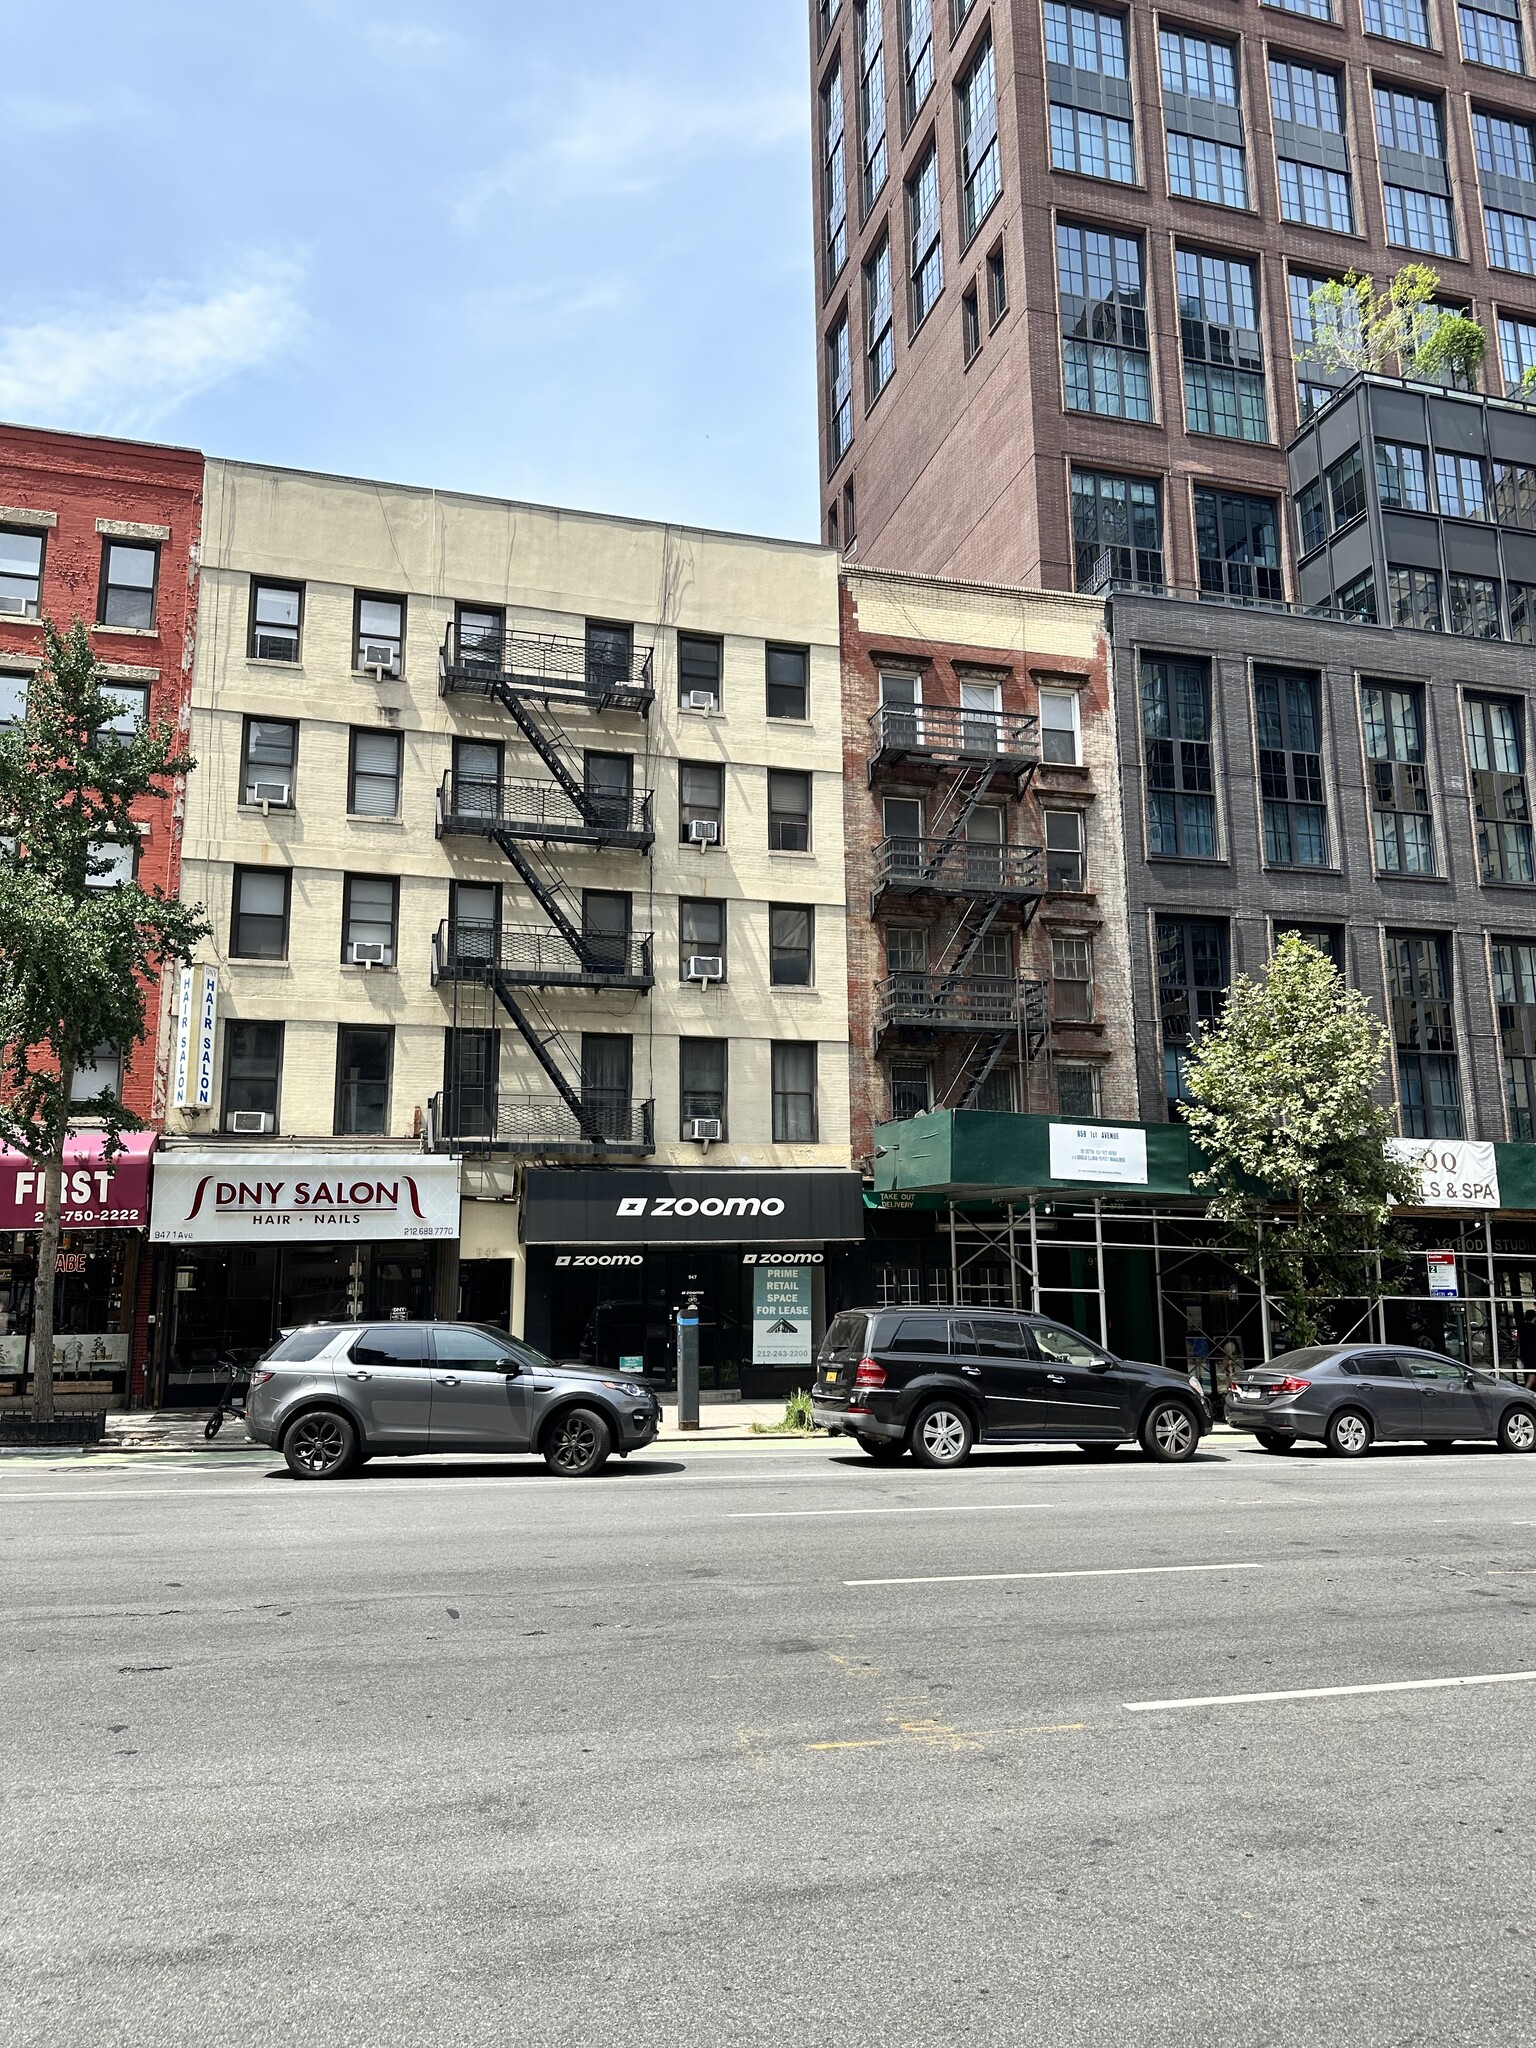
(831, 1378)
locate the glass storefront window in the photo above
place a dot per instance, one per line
(93, 1308)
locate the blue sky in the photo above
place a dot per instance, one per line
(554, 251)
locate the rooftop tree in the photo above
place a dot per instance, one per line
(1284, 1110)
(1357, 328)
(79, 955)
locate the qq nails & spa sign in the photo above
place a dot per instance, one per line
(1454, 1173)
(316, 1198)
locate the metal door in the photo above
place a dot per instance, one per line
(1085, 1390)
(479, 1402)
(388, 1379)
(993, 1353)
(1392, 1397)
(1450, 1408)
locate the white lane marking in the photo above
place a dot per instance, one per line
(988, 1507)
(1329, 1692)
(1123, 1571)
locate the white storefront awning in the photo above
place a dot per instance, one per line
(302, 1197)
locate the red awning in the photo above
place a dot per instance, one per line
(99, 1194)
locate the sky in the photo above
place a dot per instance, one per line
(556, 250)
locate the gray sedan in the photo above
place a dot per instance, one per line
(1349, 1396)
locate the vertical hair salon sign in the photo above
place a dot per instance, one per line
(196, 1017)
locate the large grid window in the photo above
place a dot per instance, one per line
(1414, 598)
(1303, 94)
(1084, 139)
(870, 37)
(794, 1094)
(981, 162)
(1191, 988)
(1288, 716)
(1401, 827)
(1315, 10)
(1402, 21)
(1315, 197)
(1420, 992)
(1105, 347)
(1507, 149)
(834, 175)
(1491, 39)
(1517, 350)
(1117, 530)
(1500, 795)
(1472, 606)
(1237, 545)
(1461, 486)
(1402, 476)
(839, 393)
(1514, 495)
(1223, 350)
(1086, 39)
(1514, 995)
(1197, 67)
(917, 52)
(1176, 750)
(1412, 125)
(1314, 386)
(925, 249)
(879, 341)
(1199, 165)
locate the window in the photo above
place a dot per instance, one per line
(1223, 351)
(839, 394)
(1176, 748)
(474, 923)
(1237, 542)
(277, 611)
(850, 527)
(1201, 169)
(253, 1070)
(701, 932)
(1117, 530)
(1393, 718)
(1105, 350)
(1507, 149)
(1472, 606)
(1357, 598)
(471, 1063)
(1305, 96)
(115, 862)
(1517, 350)
(826, 14)
(1402, 477)
(879, 346)
(1317, 10)
(1459, 484)
(1077, 1089)
(1072, 980)
(701, 1078)
(997, 286)
(926, 266)
(1405, 21)
(917, 52)
(794, 1095)
(834, 176)
(870, 39)
(1085, 39)
(380, 633)
(21, 573)
(1314, 385)
(608, 787)
(364, 1056)
(789, 682)
(698, 668)
(1288, 717)
(1514, 994)
(911, 1092)
(1416, 218)
(369, 918)
(268, 758)
(480, 633)
(1314, 187)
(129, 573)
(477, 786)
(701, 799)
(970, 324)
(1346, 489)
(1326, 939)
(1085, 47)
(1522, 612)
(1060, 742)
(1514, 495)
(99, 1073)
(1491, 39)
(1413, 598)
(1065, 867)
(1315, 196)
(607, 1081)
(610, 655)
(789, 811)
(981, 166)
(1191, 987)
(259, 930)
(1198, 69)
(1424, 1033)
(1094, 145)
(791, 945)
(1311, 516)
(1501, 799)
(13, 700)
(1200, 166)
(373, 777)
(607, 920)
(906, 952)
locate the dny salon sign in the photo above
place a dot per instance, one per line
(299, 1197)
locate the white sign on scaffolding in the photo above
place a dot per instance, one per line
(1099, 1152)
(1454, 1173)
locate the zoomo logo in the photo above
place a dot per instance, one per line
(711, 1205)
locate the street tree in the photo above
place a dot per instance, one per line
(79, 955)
(1283, 1109)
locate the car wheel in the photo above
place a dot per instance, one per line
(1170, 1433)
(1098, 1450)
(320, 1445)
(578, 1443)
(881, 1449)
(941, 1435)
(1273, 1440)
(1348, 1434)
(1517, 1430)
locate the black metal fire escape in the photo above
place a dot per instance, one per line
(536, 679)
(965, 756)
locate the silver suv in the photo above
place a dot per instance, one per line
(332, 1396)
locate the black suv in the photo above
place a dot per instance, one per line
(935, 1381)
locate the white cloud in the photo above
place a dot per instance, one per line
(102, 367)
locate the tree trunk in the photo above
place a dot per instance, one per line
(42, 1292)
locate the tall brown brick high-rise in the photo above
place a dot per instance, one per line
(1065, 252)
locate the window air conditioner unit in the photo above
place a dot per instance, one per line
(250, 1120)
(703, 831)
(368, 955)
(704, 967)
(279, 793)
(701, 700)
(383, 659)
(706, 1130)
(12, 601)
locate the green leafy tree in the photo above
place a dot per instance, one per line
(78, 958)
(1297, 1167)
(1357, 328)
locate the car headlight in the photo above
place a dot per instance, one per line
(1194, 1381)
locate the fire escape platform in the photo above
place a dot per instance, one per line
(529, 956)
(550, 668)
(542, 812)
(544, 1127)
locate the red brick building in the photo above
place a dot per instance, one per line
(987, 948)
(106, 532)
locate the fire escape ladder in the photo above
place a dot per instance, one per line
(546, 745)
(1037, 1019)
(545, 895)
(528, 1015)
(964, 943)
(960, 805)
(982, 1055)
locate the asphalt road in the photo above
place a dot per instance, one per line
(769, 1745)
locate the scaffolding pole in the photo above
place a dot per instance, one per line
(1098, 1267)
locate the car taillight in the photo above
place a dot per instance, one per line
(261, 1374)
(1291, 1386)
(869, 1374)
